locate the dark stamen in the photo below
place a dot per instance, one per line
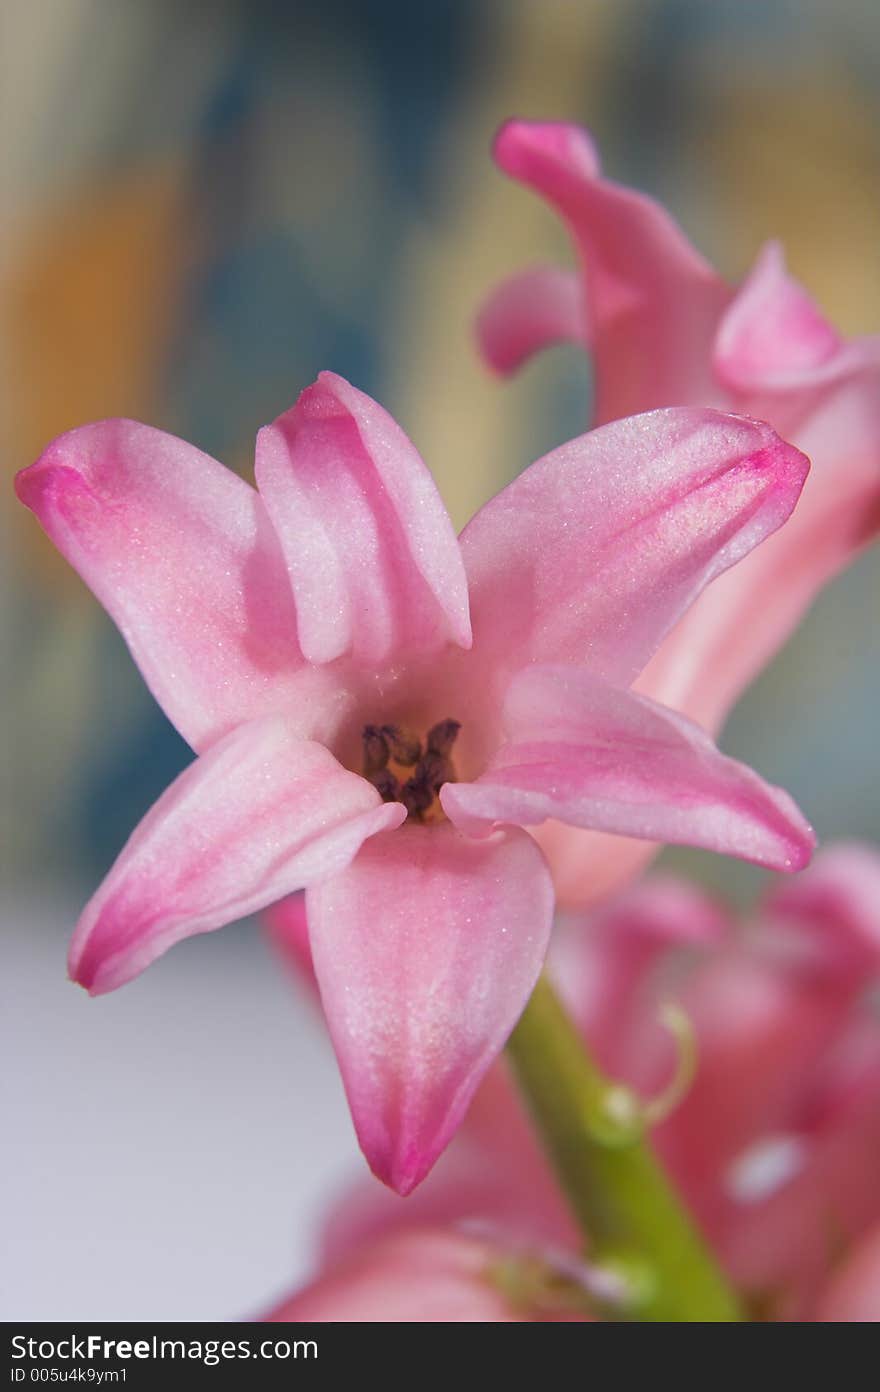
(376, 751)
(390, 748)
(405, 748)
(435, 770)
(417, 795)
(386, 785)
(441, 737)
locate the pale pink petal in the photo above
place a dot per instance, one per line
(582, 751)
(652, 302)
(595, 551)
(416, 1276)
(530, 311)
(426, 949)
(372, 556)
(182, 555)
(772, 332)
(260, 814)
(742, 621)
(852, 1296)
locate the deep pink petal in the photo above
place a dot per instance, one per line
(772, 332)
(652, 302)
(426, 949)
(585, 752)
(373, 560)
(530, 311)
(595, 551)
(261, 814)
(182, 555)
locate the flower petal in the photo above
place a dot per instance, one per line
(180, 552)
(528, 312)
(371, 553)
(588, 753)
(426, 950)
(741, 622)
(261, 814)
(772, 332)
(593, 553)
(652, 302)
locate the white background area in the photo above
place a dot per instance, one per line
(168, 1149)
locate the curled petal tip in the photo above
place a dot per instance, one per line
(28, 484)
(527, 312)
(517, 141)
(405, 1173)
(804, 849)
(773, 335)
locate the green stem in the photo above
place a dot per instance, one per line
(594, 1133)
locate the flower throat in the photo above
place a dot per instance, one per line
(402, 771)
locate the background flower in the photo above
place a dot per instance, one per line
(661, 326)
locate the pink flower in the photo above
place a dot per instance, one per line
(422, 1275)
(664, 329)
(775, 1145)
(338, 660)
(853, 1295)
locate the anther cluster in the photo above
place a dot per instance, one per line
(390, 752)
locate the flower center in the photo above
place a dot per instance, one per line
(403, 771)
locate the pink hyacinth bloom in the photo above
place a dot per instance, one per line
(429, 1275)
(663, 329)
(338, 659)
(775, 1145)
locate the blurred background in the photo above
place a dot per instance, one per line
(205, 205)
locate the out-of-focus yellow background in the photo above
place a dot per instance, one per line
(205, 204)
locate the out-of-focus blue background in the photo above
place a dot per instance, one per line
(207, 204)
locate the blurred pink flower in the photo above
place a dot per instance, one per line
(852, 1296)
(775, 1145)
(664, 329)
(420, 1275)
(313, 643)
